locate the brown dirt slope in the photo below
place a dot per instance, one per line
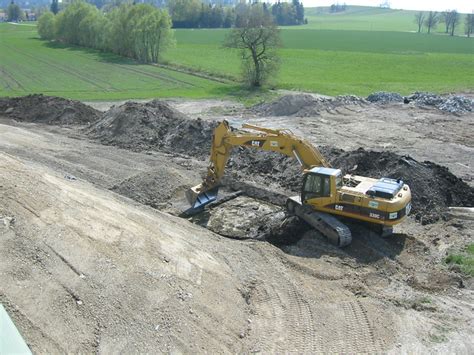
(86, 271)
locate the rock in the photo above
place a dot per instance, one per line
(9, 110)
(454, 104)
(385, 97)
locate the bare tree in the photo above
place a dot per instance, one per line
(431, 21)
(454, 19)
(469, 24)
(257, 38)
(445, 17)
(419, 19)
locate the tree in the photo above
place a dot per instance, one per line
(229, 17)
(431, 20)
(14, 12)
(185, 13)
(469, 24)
(46, 26)
(217, 16)
(419, 20)
(455, 18)
(445, 17)
(152, 34)
(55, 7)
(68, 21)
(139, 31)
(299, 11)
(257, 38)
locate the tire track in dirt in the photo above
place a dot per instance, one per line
(358, 328)
(285, 315)
(298, 311)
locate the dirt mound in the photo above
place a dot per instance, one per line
(153, 125)
(433, 187)
(155, 188)
(47, 109)
(304, 105)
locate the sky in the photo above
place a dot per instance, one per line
(466, 6)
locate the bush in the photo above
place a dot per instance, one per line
(47, 26)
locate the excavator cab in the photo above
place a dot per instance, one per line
(320, 185)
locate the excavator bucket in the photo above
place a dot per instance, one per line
(199, 199)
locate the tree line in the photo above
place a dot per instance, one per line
(199, 14)
(139, 31)
(450, 18)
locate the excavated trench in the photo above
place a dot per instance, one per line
(263, 179)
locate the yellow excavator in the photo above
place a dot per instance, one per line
(325, 194)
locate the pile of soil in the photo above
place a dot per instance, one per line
(304, 105)
(434, 188)
(153, 125)
(155, 188)
(48, 109)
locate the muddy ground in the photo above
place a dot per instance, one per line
(87, 265)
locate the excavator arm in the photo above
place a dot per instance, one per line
(224, 139)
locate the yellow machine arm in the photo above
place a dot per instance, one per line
(224, 139)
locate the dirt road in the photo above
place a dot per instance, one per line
(84, 269)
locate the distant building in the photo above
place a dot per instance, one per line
(3, 16)
(29, 16)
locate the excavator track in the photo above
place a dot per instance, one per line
(336, 232)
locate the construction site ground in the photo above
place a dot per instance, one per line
(94, 257)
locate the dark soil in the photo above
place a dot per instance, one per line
(48, 109)
(153, 125)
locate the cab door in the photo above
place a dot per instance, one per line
(316, 190)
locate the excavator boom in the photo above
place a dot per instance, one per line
(224, 139)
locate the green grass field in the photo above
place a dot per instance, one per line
(344, 62)
(364, 18)
(29, 65)
(340, 58)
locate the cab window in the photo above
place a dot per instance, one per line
(326, 187)
(312, 186)
(316, 186)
